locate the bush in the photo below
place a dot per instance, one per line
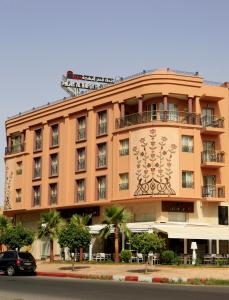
(168, 257)
(125, 255)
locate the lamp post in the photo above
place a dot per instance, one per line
(194, 248)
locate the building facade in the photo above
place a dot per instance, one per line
(156, 143)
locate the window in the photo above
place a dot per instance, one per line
(124, 147)
(55, 135)
(102, 122)
(19, 168)
(36, 195)
(177, 217)
(53, 193)
(187, 179)
(124, 181)
(81, 134)
(223, 215)
(54, 164)
(80, 190)
(81, 159)
(18, 195)
(38, 140)
(101, 180)
(187, 143)
(102, 155)
(37, 167)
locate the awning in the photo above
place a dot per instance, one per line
(193, 232)
(176, 231)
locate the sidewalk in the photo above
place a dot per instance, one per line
(131, 272)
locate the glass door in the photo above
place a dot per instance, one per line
(209, 185)
(207, 116)
(152, 111)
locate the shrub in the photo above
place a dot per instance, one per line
(167, 257)
(125, 255)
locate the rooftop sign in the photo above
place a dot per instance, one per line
(73, 83)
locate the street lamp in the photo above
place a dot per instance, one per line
(194, 248)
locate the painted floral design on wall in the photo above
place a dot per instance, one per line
(8, 179)
(154, 166)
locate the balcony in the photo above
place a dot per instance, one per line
(123, 186)
(213, 191)
(101, 193)
(15, 149)
(82, 134)
(158, 116)
(80, 196)
(212, 124)
(102, 161)
(212, 159)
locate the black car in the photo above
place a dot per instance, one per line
(12, 262)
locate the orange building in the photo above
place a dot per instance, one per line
(155, 142)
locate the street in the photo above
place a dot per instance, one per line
(36, 288)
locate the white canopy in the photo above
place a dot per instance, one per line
(193, 231)
(176, 230)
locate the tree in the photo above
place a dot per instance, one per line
(3, 226)
(115, 217)
(15, 237)
(82, 222)
(49, 227)
(74, 237)
(147, 242)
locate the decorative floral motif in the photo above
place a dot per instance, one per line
(8, 179)
(154, 167)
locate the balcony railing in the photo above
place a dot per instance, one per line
(80, 196)
(15, 149)
(81, 164)
(102, 161)
(102, 128)
(124, 151)
(82, 134)
(162, 116)
(212, 121)
(212, 156)
(124, 186)
(36, 200)
(38, 145)
(102, 193)
(37, 173)
(53, 199)
(186, 148)
(213, 191)
(54, 170)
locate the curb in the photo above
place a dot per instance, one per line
(132, 278)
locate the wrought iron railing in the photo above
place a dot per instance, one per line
(124, 186)
(36, 200)
(186, 148)
(124, 151)
(80, 196)
(15, 149)
(212, 121)
(82, 134)
(162, 116)
(102, 193)
(102, 161)
(212, 156)
(213, 191)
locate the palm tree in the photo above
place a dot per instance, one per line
(82, 222)
(49, 227)
(3, 226)
(115, 217)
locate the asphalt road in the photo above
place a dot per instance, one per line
(36, 288)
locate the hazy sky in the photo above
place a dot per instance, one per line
(41, 40)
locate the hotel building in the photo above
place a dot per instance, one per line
(156, 143)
